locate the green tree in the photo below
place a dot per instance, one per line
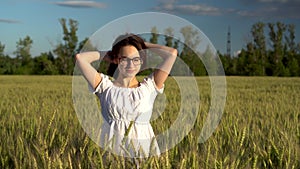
(23, 56)
(276, 56)
(66, 50)
(249, 61)
(169, 33)
(276, 35)
(260, 51)
(293, 67)
(188, 55)
(2, 47)
(154, 35)
(43, 65)
(290, 52)
(229, 63)
(210, 59)
(176, 44)
(4, 61)
(290, 39)
(85, 45)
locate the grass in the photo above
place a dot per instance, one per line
(259, 127)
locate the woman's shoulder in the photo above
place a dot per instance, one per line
(103, 75)
(105, 83)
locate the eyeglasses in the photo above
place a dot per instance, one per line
(125, 60)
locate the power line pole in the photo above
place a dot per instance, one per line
(228, 42)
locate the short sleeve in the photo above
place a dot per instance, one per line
(104, 84)
(150, 83)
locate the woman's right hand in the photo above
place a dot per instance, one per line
(108, 57)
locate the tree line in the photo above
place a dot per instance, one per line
(271, 51)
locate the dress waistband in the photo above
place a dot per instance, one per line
(130, 121)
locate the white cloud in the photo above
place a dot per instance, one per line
(236, 53)
(81, 4)
(193, 9)
(200, 9)
(272, 1)
(269, 1)
(254, 8)
(9, 21)
(288, 9)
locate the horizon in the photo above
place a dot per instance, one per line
(22, 18)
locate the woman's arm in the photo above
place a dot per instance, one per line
(168, 54)
(84, 60)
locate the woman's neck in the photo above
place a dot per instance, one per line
(129, 82)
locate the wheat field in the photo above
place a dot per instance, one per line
(258, 129)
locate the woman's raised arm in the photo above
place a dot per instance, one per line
(84, 60)
(168, 54)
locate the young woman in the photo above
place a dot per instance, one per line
(126, 103)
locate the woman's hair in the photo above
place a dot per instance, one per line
(125, 40)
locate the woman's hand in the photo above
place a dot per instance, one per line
(107, 56)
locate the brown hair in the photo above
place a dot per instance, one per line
(125, 40)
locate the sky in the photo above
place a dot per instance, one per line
(39, 19)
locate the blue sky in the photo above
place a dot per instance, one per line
(39, 19)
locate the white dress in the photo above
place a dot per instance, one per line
(126, 129)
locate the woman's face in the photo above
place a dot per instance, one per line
(129, 61)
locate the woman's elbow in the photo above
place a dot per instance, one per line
(174, 52)
(77, 57)
(80, 58)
